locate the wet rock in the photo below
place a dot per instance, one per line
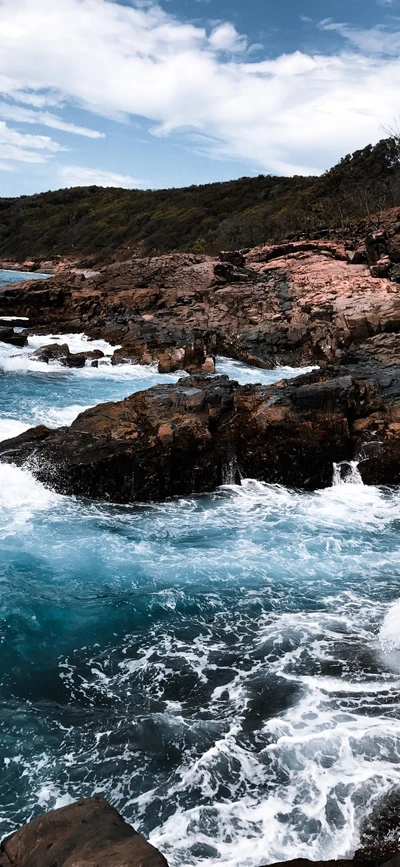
(8, 335)
(62, 354)
(52, 352)
(182, 439)
(76, 359)
(88, 833)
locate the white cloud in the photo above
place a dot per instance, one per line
(226, 38)
(295, 113)
(44, 118)
(78, 176)
(24, 147)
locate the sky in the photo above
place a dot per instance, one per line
(143, 94)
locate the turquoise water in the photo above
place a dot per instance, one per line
(225, 668)
(8, 277)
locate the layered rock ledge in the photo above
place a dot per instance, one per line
(176, 440)
(293, 303)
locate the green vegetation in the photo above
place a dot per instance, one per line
(97, 225)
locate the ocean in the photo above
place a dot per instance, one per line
(225, 669)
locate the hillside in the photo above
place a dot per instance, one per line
(96, 225)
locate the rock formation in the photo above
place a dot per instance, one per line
(297, 302)
(204, 431)
(89, 833)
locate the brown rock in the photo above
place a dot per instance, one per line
(293, 303)
(89, 833)
(178, 439)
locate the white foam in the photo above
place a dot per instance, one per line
(21, 497)
(13, 318)
(59, 417)
(390, 630)
(10, 427)
(347, 473)
(246, 374)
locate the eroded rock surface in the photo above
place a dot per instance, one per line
(204, 431)
(89, 833)
(291, 303)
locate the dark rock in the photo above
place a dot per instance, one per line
(376, 246)
(235, 257)
(231, 273)
(76, 359)
(88, 833)
(52, 352)
(7, 335)
(61, 353)
(185, 438)
(356, 257)
(13, 322)
(394, 273)
(381, 268)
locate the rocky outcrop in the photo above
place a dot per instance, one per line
(294, 303)
(8, 335)
(196, 435)
(89, 833)
(61, 353)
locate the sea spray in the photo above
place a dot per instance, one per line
(217, 666)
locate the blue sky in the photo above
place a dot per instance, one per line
(143, 94)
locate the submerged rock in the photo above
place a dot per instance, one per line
(89, 833)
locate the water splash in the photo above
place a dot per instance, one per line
(346, 473)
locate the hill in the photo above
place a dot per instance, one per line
(94, 225)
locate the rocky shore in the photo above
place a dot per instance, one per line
(299, 302)
(90, 833)
(176, 440)
(313, 302)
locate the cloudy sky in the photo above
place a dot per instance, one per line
(141, 94)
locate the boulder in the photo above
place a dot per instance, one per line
(375, 246)
(52, 352)
(76, 359)
(88, 833)
(8, 335)
(356, 257)
(62, 354)
(381, 268)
